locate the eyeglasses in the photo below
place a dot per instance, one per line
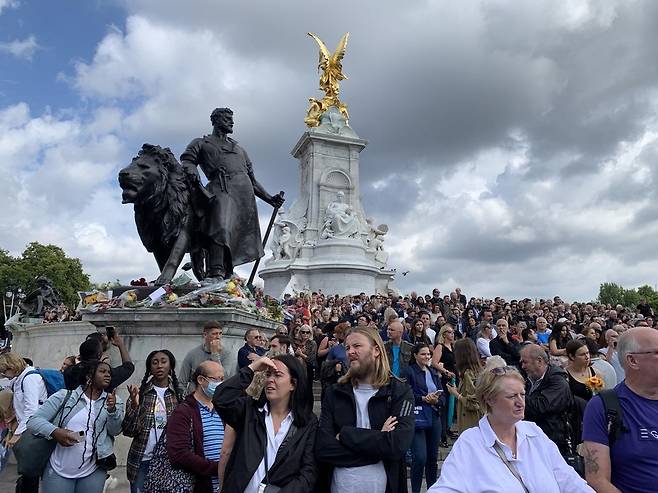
(304, 331)
(654, 352)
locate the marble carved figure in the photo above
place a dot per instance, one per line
(340, 220)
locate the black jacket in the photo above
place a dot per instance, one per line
(359, 446)
(550, 404)
(293, 470)
(508, 351)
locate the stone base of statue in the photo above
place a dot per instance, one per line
(337, 266)
(143, 330)
(325, 241)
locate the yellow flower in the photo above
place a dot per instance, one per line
(594, 383)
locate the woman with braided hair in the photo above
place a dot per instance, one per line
(82, 422)
(147, 412)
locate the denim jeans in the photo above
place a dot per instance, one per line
(51, 482)
(425, 454)
(137, 486)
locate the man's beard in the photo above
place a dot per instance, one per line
(364, 368)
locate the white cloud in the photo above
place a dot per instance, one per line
(7, 4)
(24, 48)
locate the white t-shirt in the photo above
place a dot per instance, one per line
(431, 333)
(370, 478)
(67, 461)
(159, 422)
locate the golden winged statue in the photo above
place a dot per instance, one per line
(332, 73)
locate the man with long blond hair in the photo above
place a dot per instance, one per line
(366, 423)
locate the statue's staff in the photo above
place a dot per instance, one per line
(275, 211)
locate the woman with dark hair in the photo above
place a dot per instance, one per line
(275, 435)
(82, 422)
(467, 362)
(418, 334)
(557, 344)
(426, 386)
(147, 411)
(579, 369)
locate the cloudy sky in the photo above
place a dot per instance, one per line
(513, 146)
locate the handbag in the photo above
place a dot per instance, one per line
(33, 451)
(423, 415)
(162, 476)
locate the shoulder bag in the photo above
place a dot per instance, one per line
(162, 476)
(265, 486)
(512, 467)
(33, 451)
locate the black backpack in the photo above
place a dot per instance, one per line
(613, 415)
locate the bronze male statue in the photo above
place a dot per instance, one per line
(227, 224)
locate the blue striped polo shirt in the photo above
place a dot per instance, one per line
(213, 437)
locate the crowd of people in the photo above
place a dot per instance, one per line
(532, 396)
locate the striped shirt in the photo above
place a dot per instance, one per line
(213, 437)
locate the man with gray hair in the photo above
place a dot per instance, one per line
(621, 447)
(548, 397)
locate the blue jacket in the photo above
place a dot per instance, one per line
(416, 380)
(107, 426)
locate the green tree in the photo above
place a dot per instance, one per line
(611, 293)
(650, 294)
(66, 273)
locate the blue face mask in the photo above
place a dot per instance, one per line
(210, 389)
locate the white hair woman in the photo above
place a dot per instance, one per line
(503, 453)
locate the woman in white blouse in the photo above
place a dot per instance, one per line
(504, 454)
(484, 338)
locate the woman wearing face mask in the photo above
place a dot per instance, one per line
(147, 411)
(275, 435)
(82, 422)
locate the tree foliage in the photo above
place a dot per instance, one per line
(66, 273)
(615, 294)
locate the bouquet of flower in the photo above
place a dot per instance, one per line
(595, 384)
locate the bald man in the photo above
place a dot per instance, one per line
(397, 350)
(631, 462)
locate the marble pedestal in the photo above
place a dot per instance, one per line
(335, 262)
(333, 266)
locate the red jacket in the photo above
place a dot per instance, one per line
(180, 452)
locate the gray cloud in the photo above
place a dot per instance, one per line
(510, 146)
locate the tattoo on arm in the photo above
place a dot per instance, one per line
(591, 461)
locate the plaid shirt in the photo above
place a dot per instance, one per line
(138, 422)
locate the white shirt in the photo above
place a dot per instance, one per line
(159, 422)
(370, 478)
(473, 466)
(606, 371)
(431, 333)
(77, 461)
(274, 441)
(483, 347)
(28, 397)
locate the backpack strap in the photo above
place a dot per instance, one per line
(32, 372)
(613, 415)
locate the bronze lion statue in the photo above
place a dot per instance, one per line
(162, 195)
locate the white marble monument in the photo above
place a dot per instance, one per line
(325, 241)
